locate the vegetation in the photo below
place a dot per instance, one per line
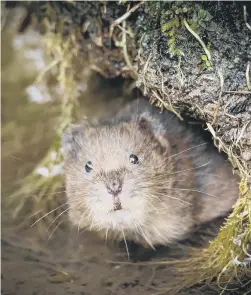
(228, 256)
(175, 19)
(46, 179)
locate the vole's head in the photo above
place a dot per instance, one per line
(114, 174)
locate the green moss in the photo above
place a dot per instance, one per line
(173, 25)
(226, 259)
(206, 62)
(170, 29)
(227, 255)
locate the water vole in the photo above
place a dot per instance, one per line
(144, 176)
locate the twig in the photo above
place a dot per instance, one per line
(47, 69)
(124, 16)
(180, 72)
(221, 82)
(98, 70)
(245, 17)
(247, 77)
(238, 92)
(124, 46)
(225, 111)
(144, 72)
(242, 132)
(170, 108)
(201, 111)
(170, 102)
(105, 7)
(198, 38)
(126, 31)
(220, 94)
(234, 159)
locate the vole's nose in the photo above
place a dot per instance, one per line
(114, 187)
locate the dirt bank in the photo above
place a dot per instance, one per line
(191, 59)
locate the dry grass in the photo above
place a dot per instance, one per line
(227, 257)
(40, 188)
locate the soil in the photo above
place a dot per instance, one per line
(218, 94)
(69, 262)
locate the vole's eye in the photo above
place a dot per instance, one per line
(134, 159)
(88, 167)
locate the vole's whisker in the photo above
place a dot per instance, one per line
(150, 206)
(147, 213)
(144, 236)
(35, 213)
(159, 233)
(136, 226)
(79, 176)
(193, 190)
(89, 216)
(174, 198)
(81, 218)
(48, 213)
(55, 230)
(54, 193)
(33, 194)
(127, 250)
(83, 231)
(203, 165)
(92, 223)
(58, 217)
(106, 235)
(187, 150)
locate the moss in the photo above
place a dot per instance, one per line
(227, 256)
(173, 25)
(207, 63)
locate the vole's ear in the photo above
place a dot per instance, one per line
(71, 139)
(151, 126)
(145, 124)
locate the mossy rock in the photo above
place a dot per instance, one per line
(193, 59)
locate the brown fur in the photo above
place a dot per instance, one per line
(179, 182)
